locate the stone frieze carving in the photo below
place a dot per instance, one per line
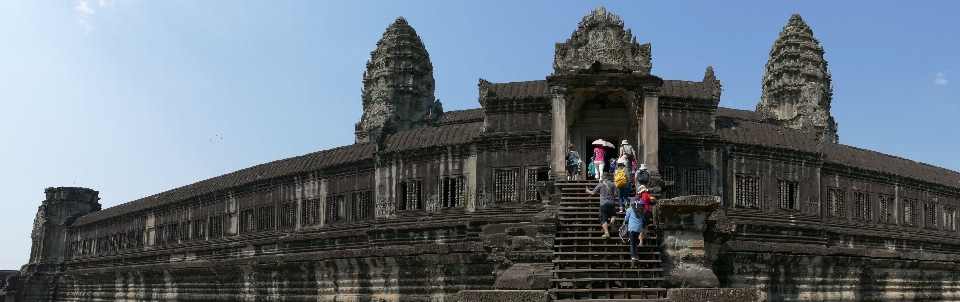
(600, 38)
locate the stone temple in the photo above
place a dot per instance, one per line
(468, 205)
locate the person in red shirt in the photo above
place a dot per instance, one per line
(598, 154)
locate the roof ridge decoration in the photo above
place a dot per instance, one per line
(710, 79)
(601, 44)
(398, 85)
(796, 83)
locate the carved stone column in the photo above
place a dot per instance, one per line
(558, 142)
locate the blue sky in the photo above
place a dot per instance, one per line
(132, 98)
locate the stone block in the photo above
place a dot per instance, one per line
(715, 295)
(503, 296)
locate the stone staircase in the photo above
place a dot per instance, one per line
(589, 267)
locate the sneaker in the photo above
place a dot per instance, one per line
(605, 236)
(634, 259)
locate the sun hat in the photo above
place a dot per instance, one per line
(643, 166)
(624, 142)
(642, 188)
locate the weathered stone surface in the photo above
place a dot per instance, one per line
(503, 296)
(525, 276)
(715, 295)
(796, 84)
(681, 223)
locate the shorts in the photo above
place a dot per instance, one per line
(573, 168)
(607, 211)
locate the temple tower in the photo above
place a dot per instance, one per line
(796, 83)
(398, 85)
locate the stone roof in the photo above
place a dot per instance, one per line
(460, 117)
(763, 134)
(740, 129)
(876, 161)
(526, 89)
(284, 167)
(454, 134)
(686, 90)
(739, 114)
(539, 88)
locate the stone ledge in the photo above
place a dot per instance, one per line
(503, 296)
(715, 294)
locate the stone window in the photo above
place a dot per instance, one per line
(131, 239)
(185, 231)
(362, 205)
(451, 191)
(747, 191)
(199, 228)
(216, 226)
(288, 215)
(173, 230)
(505, 184)
(247, 221)
(695, 182)
(265, 217)
(117, 241)
(949, 218)
(929, 215)
(787, 194)
(667, 173)
(335, 207)
(410, 195)
(886, 206)
(141, 237)
(534, 175)
(910, 212)
(862, 206)
(835, 203)
(160, 235)
(310, 212)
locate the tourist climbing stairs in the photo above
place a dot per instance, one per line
(590, 267)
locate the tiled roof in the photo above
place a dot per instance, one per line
(738, 114)
(686, 90)
(283, 167)
(453, 134)
(872, 160)
(763, 134)
(754, 133)
(460, 117)
(539, 88)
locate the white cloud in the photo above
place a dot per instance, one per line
(941, 79)
(83, 10)
(105, 3)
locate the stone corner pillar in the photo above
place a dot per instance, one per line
(650, 129)
(56, 214)
(558, 139)
(681, 224)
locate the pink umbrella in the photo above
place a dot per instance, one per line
(609, 144)
(600, 142)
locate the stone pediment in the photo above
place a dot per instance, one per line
(600, 44)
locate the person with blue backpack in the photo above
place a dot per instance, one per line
(634, 218)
